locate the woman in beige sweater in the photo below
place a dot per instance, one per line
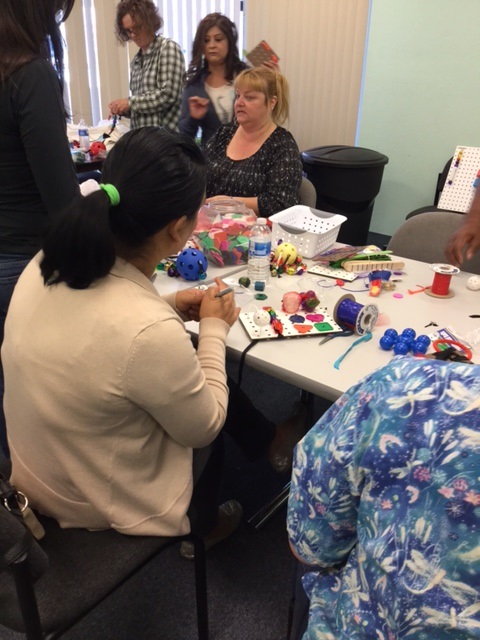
(106, 397)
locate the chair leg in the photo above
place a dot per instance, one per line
(27, 600)
(200, 567)
(265, 513)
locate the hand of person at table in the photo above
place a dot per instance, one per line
(118, 107)
(188, 302)
(464, 243)
(223, 308)
(198, 107)
(213, 198)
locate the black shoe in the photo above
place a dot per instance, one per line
(287, 435)
(230, 515)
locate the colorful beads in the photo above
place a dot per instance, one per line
(291, 267)
(405, 342)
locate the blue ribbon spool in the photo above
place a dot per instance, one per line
(354, 315)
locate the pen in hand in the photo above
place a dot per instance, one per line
(223, 292)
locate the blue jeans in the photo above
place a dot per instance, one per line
(11, 267)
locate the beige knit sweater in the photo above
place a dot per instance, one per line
(105, 397)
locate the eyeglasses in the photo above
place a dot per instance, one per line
(131, 33)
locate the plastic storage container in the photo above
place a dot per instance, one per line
(309, 230)
(347, 180)
(259, 250)
(223, 230)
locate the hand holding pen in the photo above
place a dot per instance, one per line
(219, 302)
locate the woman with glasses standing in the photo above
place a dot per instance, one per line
(157, 71)
(37, 175)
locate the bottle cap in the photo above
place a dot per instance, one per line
(261, 221)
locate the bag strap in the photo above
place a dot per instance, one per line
(13, 500)
(17, 503)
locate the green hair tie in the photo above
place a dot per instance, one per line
(112, 193)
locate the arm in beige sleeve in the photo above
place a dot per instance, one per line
(184, 390)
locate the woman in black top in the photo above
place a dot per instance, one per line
(37, 175)
(256, 160)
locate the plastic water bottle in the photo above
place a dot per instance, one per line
(259, 249)
(83, 138)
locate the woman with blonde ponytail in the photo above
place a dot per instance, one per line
(256, 160)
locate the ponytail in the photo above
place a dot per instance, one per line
(79, 247)
(282, 108)
(151, 177)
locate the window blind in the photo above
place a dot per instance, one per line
(181, 18)
(98, 67)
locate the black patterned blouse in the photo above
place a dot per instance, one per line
(273, 174)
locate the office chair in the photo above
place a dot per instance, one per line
(47, 587)
(441, 180)
(424, 236)
(308, 194)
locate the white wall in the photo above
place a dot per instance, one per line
(421, 96)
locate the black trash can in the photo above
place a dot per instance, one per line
(347, 180)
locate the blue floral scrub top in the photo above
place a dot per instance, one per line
(387, 484)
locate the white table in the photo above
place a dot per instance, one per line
(303, 363)
(308, 366)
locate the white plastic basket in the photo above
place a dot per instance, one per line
(311, 231)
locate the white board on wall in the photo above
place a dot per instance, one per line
(462, 180)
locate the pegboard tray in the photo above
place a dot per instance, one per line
(316, 323)
(311, 231)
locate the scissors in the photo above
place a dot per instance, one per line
(344, 332)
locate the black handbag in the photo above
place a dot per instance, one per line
(17, 503)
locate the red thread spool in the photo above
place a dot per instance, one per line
(441, 284)
(441, 281)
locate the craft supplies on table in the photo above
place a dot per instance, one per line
(358, 266)
(346, 332)
(403, 343)
(320, 322)
(473, 283)
(331, 272)
(449, 333)
(352, 314)
(223, 231)
(341, 262)
(191, 264)
(309, 230)
(440, 287)
(302, 363)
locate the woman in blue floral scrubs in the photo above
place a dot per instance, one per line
(387, 485)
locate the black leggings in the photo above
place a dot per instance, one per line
(253, 433)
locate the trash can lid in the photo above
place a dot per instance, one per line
(345, 156)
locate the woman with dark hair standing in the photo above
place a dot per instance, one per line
(207, 100)
(105, 394)
(157, 71)
(37, 176)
